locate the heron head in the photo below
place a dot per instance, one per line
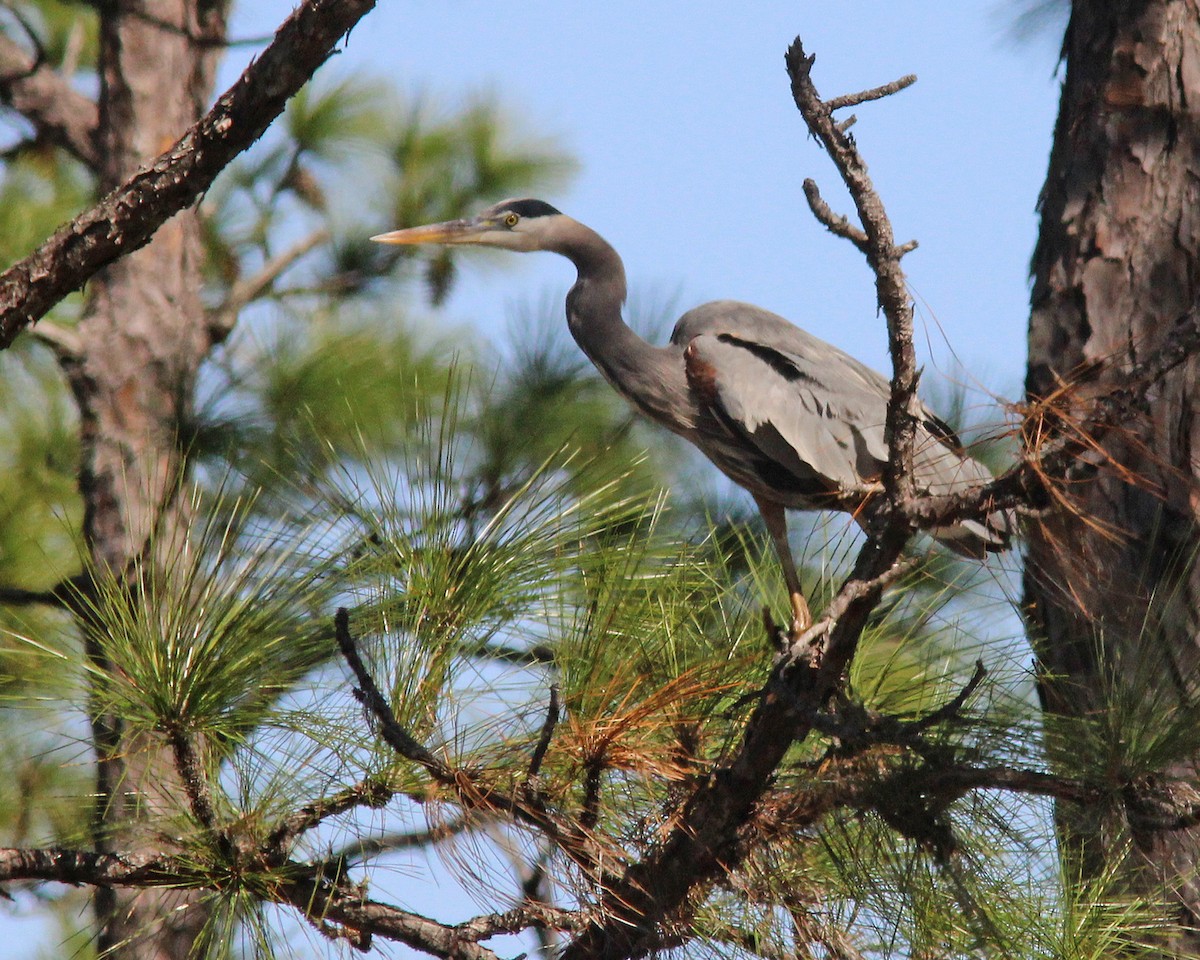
(511, 224)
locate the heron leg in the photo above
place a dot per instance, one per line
(775, 517)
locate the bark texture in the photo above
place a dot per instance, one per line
(142, 339)
(1113, 589)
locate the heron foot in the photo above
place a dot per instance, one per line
(801, 615)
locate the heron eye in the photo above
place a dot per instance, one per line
(511, 220)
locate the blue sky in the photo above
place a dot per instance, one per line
(692, 154)
(692, 158)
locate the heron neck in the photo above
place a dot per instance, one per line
(651, 378)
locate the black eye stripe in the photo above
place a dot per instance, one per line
(530, 208)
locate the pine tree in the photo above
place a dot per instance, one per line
(1112, 579)
(329, 593)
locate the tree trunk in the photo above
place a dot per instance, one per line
(143, 337)
(1113, 586)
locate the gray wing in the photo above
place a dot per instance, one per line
(797, 415)
(817, 412)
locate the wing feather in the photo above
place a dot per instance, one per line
(815, 411)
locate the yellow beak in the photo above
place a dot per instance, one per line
(452, 231)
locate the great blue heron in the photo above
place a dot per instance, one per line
(792, 419)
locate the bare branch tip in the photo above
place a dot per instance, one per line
(874, 93)
(834, 223)
(552, 714)
(795, 59)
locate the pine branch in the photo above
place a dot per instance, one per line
(530, 915)
(374, 793)
(365, 847)
(59, 113)
(78, 867)
(195, 784)
(325, 899)
(127, 218)
(327, 902)
(529, 805)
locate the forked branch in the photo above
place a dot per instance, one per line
(704, 841)
(877, 242)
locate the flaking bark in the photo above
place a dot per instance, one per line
(142, 339)
(1113, 587)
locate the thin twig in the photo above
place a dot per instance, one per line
(833, 222)
(543, 744)
(372, 792)
(223, 319)
(875, 93)
(359, 850)
(368, 694)
(951, 709)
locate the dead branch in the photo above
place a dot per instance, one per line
(702, 843)
(875, 93)
(836, 224)
(883, 256)
(127, 218)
